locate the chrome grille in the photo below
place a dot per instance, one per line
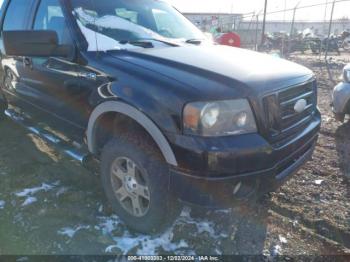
(283, 120)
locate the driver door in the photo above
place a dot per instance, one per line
(54, 83)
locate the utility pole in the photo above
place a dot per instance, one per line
(256, 32)
(293, 21)
(329, 30)
(264, 25)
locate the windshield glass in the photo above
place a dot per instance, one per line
(107, 23)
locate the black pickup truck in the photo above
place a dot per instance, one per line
(168, 115)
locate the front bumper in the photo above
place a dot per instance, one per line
(211, 174)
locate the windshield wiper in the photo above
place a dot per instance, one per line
(161, 41)
(147, 42)
(194, 41)
(141, 43)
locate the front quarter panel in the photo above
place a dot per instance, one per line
(152, 94)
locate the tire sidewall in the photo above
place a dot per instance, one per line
(157, 173)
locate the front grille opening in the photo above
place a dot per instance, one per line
(283, 120)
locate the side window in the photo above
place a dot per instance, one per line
(127, 14)
(50, 17)
(1, 7)
(165, 24)
(16, 15)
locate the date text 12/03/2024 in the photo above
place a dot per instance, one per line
(173, 258)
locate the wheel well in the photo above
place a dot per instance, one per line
(113, 124)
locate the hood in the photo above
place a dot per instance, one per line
(214, 71)
(251, 68)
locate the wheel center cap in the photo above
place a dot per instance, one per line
(130, 183)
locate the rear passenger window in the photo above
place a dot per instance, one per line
(16, 15)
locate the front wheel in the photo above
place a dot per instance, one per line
(135, 178)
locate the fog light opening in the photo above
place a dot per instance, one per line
(237, 188)
(244, 190)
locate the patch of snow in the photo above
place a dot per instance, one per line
(29, 200)
(319, 182)
(116, 22)
(145, 244)
(31, 191)
(108, 224)
(61, 191)
(295, 223)
(223, 211)
(326, 118)
(205, 226)
(2, 204)
(202, 226)
(70, 232)
(276, 250)
(149, 245)
(218, 252)
(22, 259)
(110, 248)
(224, 235)
(282, 239)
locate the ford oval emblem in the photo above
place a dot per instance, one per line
(300, 106)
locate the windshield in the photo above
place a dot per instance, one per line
(108, 23)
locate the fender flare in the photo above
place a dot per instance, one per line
(139, 117)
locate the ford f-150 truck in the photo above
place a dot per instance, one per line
(170, 118)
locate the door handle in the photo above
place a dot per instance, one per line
(27, 61)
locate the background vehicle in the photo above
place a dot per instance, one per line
(341, 96)
(229, 39)
(168, 116)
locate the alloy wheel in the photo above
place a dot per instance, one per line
(130, 186)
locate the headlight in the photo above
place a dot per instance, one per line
(346, 75)
(220, 118)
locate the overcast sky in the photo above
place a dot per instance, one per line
(246, 6)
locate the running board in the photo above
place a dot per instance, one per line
(79, 154)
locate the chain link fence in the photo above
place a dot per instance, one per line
(289, 30)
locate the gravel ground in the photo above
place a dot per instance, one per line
(50, 205)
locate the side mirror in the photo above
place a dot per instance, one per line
(42, 43)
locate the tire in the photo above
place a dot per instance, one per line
(339, 117)
(121, 155)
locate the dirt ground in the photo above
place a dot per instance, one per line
(50, 205)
